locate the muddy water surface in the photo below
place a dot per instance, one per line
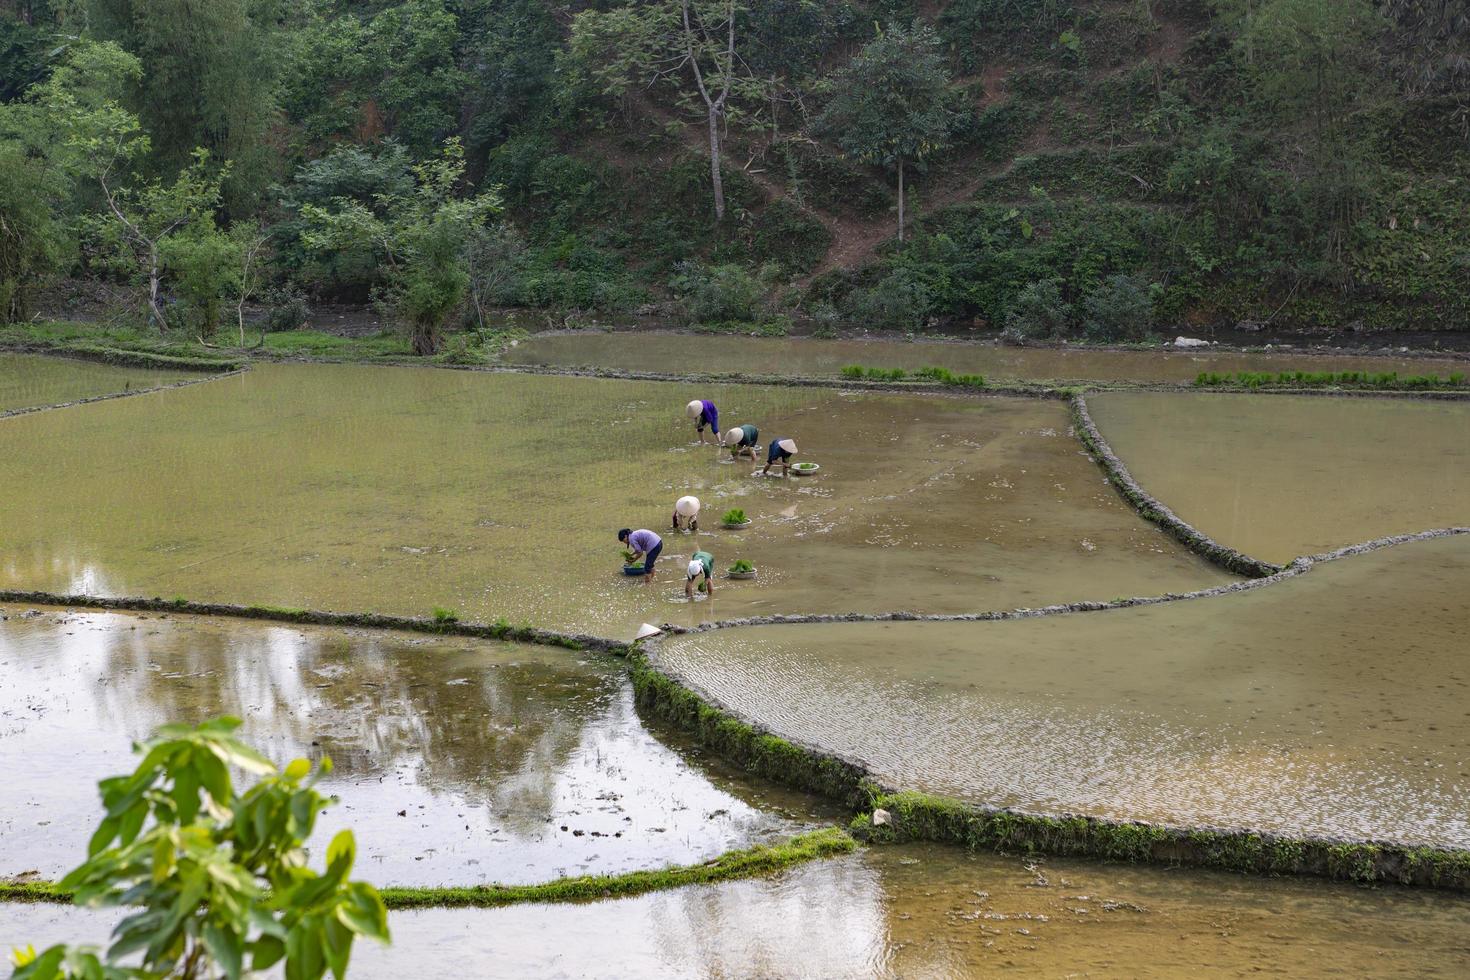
(917, 912)
(29, 380)
(398, 489)
(1282, 476)
(457, 762)
(693, 353)
(1334, 703)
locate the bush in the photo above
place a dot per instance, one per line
(1121, 308)
(285, 309)
(1039, 312)
(719, 293)
(899, 301)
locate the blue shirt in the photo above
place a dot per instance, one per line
(710, 414)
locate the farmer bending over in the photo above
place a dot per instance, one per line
(704, 414)
(644, 544)
(741, 440)
(779, 453)
(686, 514)
(701, 563)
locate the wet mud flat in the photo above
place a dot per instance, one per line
(32, 380)
(791, 356)
(1281, 476)
(456, 761)
(1327, 705)
(397, 490)
(916, 911)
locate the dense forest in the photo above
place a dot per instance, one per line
(1090, 168)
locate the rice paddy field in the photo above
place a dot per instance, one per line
(1330, 703)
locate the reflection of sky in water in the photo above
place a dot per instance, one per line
(486, 749)
(915, 912)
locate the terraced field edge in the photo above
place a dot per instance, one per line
(1150, 508)
(911, 816)
(750, 862)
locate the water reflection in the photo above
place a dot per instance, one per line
(918, 912)
(455, 761)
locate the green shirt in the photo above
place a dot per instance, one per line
(751, 435)
(707, 560)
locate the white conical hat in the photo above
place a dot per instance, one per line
(647, 630)
(686, 506)
(694, 408)
(732, 435)
(787, 444)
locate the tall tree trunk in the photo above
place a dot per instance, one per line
(716, 181)
(153, 278)
(900, 198)
(425, 338)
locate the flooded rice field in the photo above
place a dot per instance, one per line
(397, 490)
(31, 380)
(724, 354)
(1282, 476)
(1335, 703)
(457, 761)
(916, 911)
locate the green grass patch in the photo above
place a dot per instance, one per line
(748, 862)
(944, 376)
(734, 516)
(1380, 380)
(741, 566)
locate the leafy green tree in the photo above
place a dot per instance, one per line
(670, 44)
(47, 161)
(393, 74)
(210, 78)
(890, 105)
(33, 240)
(348, 172)
(422, 240)
(219, 878)
(145, 221)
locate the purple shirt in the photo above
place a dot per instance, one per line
(711, 415)
(644, 541)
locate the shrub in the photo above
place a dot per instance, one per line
(445, 617)
(214, 879)
(1119, 309)
(717, 293)
(899, 301)
(1039, 312)
(285, 309)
